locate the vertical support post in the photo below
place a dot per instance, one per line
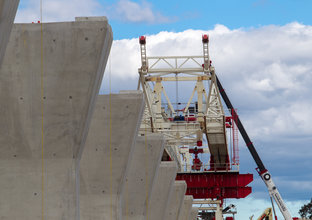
(218, 214)
(200, 88)
(157, 101)
(235, 138)
(144, 67)
(206, 66)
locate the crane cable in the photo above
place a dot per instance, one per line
(42, 113)
(146, 173)
(110, 140)
(273, 207)
(177, 94)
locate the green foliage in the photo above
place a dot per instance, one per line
(306, 210)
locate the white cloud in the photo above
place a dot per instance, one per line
(267, 71)
(291, 119)
(131, 11)
(304, 186)
(56, 10)
(67, 10)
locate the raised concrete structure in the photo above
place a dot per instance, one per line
(162, 190)
(175, 200)
(143, 169)
(185, 211)
(7, 14)
(194, 213)
(108, 153)
(46, 108)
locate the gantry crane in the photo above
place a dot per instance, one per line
(184, 128)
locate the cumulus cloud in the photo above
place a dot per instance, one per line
(267, 71)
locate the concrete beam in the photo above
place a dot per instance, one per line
(8, 10)
(109, 150)
(185, 211)
(140, 179)
(161, 191)
(175, 200)
(46, 109)
(194, 213)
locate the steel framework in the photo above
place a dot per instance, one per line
(184, 128)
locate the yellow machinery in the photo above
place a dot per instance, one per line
(266, 215)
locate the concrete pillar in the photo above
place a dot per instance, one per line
(43, 129)
(161, 191)
(194, 213)
(108, 153)
(140, 179)
(185, 211)
(175, 200)
(7, 14)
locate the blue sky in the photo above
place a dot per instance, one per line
(261, 50)
(184, 15)
(181, 15)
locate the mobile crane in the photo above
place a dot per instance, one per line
(263, 172)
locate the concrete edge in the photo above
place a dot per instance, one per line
(121, 187)
(91, 108)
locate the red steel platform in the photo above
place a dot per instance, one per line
(217, 185)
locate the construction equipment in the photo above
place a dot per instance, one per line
(266, 215)
(263, 172)
(184, 128)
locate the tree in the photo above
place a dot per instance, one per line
(306, 210)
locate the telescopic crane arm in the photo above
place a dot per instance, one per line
(263, 172)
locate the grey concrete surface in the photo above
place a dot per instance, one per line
(43, 129)
(8, 10)
(143, 169)
(108, 152)
(175, 200)
(194, 213)
(185, 211)
(162, 190)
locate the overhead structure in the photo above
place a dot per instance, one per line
(185, 127)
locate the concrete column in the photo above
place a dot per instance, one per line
(185, 211)
(7, 14)
(140, 179)
(175, 200)
(44, 126)
(194, 213)
(161, 191)
(108, 153)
